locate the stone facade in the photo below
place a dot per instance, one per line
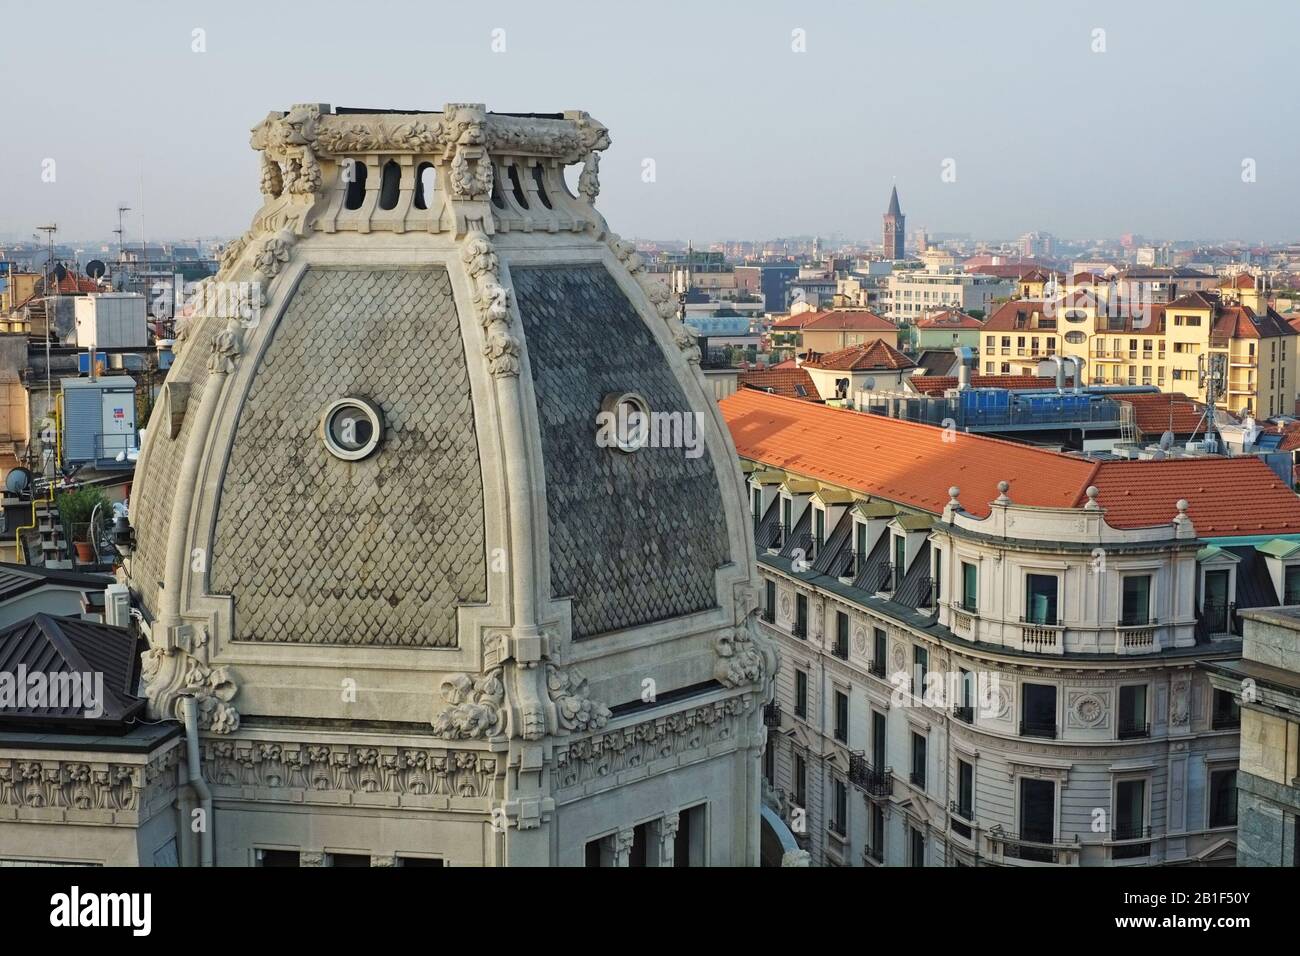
(1265, 685)
(917, 724)
(438, 630)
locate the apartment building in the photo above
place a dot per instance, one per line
(989, 652)
(911, 294)
(1126, 338)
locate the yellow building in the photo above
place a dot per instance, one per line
(1164, 345)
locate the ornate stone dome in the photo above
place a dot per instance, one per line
(377, 457)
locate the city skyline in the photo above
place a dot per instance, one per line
(823, 111)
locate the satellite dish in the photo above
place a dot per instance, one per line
(60, 272)
(17, 481)
(1166, 441)
(869, 383)
(96, 269)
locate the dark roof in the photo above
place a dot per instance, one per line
(936, 361)
(894, 210)
(16, 579)
(63, 645)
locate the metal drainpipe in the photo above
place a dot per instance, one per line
(190, 717)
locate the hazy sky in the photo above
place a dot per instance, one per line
(749, 138)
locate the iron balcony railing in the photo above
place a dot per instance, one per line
(876, 668)
(1038, 728)
(1133, 727)
(966, 812)
(1037, 846)
(799, 629)
(848, 565)
(772, 714)
(964, 714)
(841, 648)
(917, 778)
(767, 615)
(1130, 832)
(874, 854)
(875, 783)
(1216, 618)
(1225, 720)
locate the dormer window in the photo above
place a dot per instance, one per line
(1291, 584)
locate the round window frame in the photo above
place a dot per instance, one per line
(369, 410)
(610, 404)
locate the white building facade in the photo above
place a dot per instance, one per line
(1016, 690)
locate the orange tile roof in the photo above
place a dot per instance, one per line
(1228, 497)
(904, 462)
(782, 381)
(1243, 281)
(949, 319)
(874, 355)
(1155, 413)
(911, 464)
(938, 384)
(847, 320)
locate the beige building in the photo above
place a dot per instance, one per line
(391, 609)
(912, 294)
(1125, 339)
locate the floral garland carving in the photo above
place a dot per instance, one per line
(575, 710)
(492, 300)
(475, 706)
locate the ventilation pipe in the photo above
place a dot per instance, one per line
(190, 718)
(1060, 371)
(1078, 373)
(965, 358)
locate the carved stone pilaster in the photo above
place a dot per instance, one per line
(623, 841)
(492, 302)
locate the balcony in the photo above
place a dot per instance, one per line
(960, 818)
(1130, 842)
(772, 715)
(874, 854)
(876, 669)
(767, 615)
(1038, 728)
(965, 714)
(799, 629)
(917, 779)
(875, 783)
(840, 648)
(848, 566)
(1225, 719)
(1137, 635)
(1215, 618)
(1133, 728)
(1033, 848)
(1043, 636)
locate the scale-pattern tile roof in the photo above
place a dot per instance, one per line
(634, 538)
(288, 544)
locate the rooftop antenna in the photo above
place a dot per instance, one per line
(121, 235)
(49, 231)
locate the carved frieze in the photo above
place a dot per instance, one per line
(356, 768)
(601, 756)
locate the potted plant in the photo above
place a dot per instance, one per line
(75, 508)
